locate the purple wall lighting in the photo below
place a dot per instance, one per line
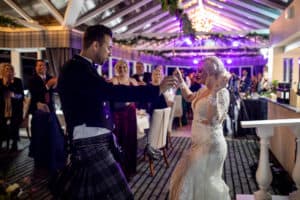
(195, 61)
(235, 43)
(188, 41)
(228, 61)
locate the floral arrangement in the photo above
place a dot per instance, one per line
(174, 8)
(8, 22)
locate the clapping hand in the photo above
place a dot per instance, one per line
(52, 82)
(178, 75)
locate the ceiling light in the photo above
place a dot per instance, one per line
(201, 20)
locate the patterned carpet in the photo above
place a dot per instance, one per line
(239, 170)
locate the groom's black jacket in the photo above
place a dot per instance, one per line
(85, 95)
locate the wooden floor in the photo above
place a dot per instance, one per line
(239, 170)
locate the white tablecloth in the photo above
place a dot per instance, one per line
(142, 119)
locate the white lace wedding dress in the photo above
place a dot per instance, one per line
(198, 174)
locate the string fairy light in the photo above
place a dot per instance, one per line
(201, 20)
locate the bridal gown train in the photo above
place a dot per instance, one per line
(198, 174)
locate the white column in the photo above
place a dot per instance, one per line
(263, 173)
(99, 70)
(134, 67)
(39, 54)
(149, 68)
(296, 171)
(16, 62)
(110, 68)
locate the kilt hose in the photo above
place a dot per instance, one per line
(92, 174)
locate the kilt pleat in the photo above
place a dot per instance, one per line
(92, 174)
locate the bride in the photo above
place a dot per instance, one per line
(198, 175)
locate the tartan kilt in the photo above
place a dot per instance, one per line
(92, 174)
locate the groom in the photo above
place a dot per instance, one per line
(93, 172)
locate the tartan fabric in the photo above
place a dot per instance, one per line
(49, 39)
(92, 174)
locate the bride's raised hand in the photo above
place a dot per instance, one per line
(178, 74)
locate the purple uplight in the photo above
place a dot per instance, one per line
(188, 41)
(195, 61)
(235, 43)
(228, 61)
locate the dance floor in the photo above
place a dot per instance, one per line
(239, 170)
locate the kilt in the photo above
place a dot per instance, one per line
(92, 173)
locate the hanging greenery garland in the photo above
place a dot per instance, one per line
(212, 36)
(8, 22)
(169, 5)
(174, 9)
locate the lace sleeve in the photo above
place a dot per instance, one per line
(222, 104)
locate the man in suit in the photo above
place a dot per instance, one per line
(245, 82)
(143, 78)
(47, 142)
(93, 173)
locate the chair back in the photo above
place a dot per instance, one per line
(178, 112)
(171, 118)
(158, 127)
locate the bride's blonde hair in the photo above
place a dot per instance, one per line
(213, 66)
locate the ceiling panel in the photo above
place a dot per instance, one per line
(145, 18)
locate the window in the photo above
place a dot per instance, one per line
(287, 70)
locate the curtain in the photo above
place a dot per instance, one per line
(57, 57)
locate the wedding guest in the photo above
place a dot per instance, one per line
(47, 141)
(124, 117)
(245, 82)
(11, 106)
(142, 77)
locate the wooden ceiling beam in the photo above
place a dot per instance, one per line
(271, 4)
(255, 8)
(128, 9)
(19, 10)
(32, 25)
(136, 18)
(250, 15)
(235, 17)
(72, 12)
(160, 24)
(54, 12)
(28, 22)
(96, 12)
(141, 25)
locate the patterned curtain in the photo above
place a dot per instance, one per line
(57, 57)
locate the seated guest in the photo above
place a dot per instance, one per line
(245, 82)
(124, 115)
(11, 106)
(254, 84)
(47, 141)
(142, 77)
